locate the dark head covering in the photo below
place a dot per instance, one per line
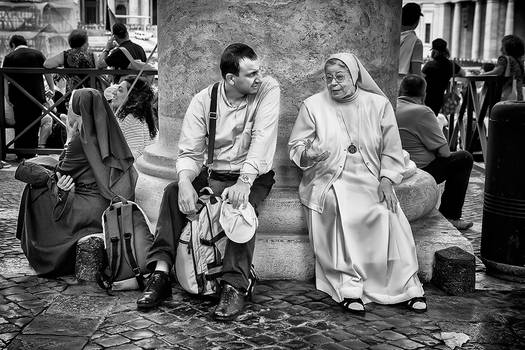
(104, 145)
(439, 45)
(410, 14)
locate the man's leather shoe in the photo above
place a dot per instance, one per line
(230, 304)
(157, 289)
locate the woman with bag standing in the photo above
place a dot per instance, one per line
(62, 206)
(510, 69)
(437, 73)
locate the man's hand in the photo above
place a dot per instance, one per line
(386, 193)
(65, 182)
(187, 197)
(312, 156)
(237, 194)
(110, 44)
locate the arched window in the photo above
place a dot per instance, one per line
(121, 10)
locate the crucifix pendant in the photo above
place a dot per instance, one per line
(352, 148)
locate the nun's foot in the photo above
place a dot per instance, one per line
(418, 304)
(353, 305)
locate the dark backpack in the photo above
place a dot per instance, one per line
(127, 238)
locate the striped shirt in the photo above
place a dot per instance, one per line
(136, 134)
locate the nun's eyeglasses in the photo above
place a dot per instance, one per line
(338, 78)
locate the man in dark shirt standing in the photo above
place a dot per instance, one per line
(113, 56)
(26, 111)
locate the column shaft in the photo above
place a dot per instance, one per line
(476, 32)
(491, 29)
(456, 30)
(509, 18)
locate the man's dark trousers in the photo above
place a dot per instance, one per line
(26, 112)
(456, 171)
(237, 257)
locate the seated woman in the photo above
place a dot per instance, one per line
(346, 141)
(95, 165)
(135, 114)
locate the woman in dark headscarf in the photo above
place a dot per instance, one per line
(346, 141)
(96, 165)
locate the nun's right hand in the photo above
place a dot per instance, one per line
(311, 155)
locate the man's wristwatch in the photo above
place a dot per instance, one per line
(245, 179)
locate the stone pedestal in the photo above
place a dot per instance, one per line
(292, 39)
(455, 271)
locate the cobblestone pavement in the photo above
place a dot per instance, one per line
(39, 313)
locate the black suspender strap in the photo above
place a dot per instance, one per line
(213, 124)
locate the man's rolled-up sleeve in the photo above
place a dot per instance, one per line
(192, 140)
(259, 159)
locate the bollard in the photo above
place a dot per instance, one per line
(503, 228)
(90, 258)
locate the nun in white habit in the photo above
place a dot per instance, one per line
(346, 141)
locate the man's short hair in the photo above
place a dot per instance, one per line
(77, 38)
(232, 55)
(413, 85)
(17, 40)
(410, 14)
(119, 30)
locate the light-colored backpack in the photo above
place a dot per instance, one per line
(201, 248)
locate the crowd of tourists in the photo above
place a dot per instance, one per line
(362, 241)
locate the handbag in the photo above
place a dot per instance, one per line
(451, 99)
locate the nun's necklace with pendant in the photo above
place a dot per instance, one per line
(352, 148)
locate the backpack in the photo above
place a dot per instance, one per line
(201, 248)
(127, 238)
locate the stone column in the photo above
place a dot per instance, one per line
(292, 39)
(476, 31)
(509, 18)
(134, 10)
(456, 31)
(490, 45)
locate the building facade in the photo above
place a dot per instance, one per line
(473, 29)
(139, 12)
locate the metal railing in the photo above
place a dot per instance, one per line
(477, 102)
(96, 78)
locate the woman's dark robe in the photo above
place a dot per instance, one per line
(50, 222)
(49, 228)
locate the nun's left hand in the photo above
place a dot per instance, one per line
(386, 193)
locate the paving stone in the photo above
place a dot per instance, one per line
(124, 347)
(302, 331)
(354, 344)
(425, 339)
(384, 347)
(62, 325)
(138, 335)
(332, 346)
(297, 344)
(318, 339)
(391, 335)
(151, 343)
(406, 344)
(38, 341)
(454, 271)
(112, 340)
(6, 337)
(139, 324)
(261, 339)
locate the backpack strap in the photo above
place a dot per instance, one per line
(127, 54)
(112, 236)
(127, 228)
(213, 123)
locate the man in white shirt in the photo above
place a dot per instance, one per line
(245, 142)
(411, 47)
